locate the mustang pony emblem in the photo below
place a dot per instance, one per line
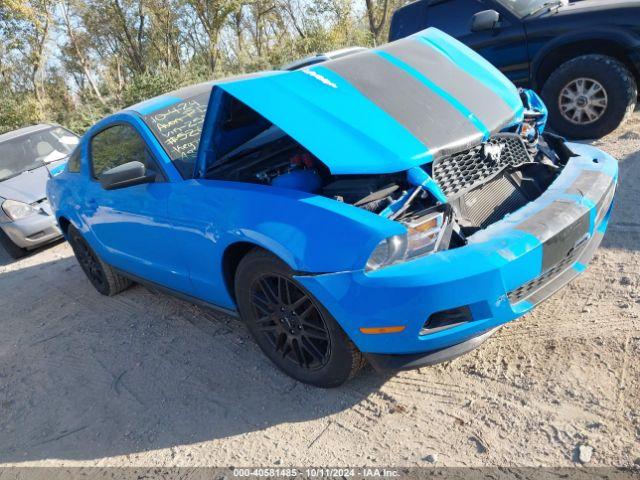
(492, 152)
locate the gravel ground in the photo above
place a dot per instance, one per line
(146, 380)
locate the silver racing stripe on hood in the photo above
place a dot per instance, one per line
(485, 104)
(421, 110)
(383, 110)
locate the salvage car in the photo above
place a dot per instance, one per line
(583, 58)
(395, 206)
(28, 158)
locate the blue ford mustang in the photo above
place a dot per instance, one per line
(395, 205)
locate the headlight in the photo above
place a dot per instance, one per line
(422, 238)
(16, 210)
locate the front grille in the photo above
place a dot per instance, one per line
(525, 291)
(462, 171)
(491, 201)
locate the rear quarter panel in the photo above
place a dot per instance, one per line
(64, 191)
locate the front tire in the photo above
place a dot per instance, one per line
(589, 96)
(290, 326)
(104, 278)
(13, 250)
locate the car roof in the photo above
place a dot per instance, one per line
(155, 103)
(151, 105)
(321, 57)
(25, 131)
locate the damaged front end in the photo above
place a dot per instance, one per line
(440, 203)
(379, 131)
(513, 212)
(447, 200)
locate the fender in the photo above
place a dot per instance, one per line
(625, 39)
(327, 235)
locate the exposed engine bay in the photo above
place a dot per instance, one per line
(470, 189)
(279, 161)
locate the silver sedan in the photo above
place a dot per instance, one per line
(28, 158)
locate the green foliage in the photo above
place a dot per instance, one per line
(74, 61)
(18, 111)
(79, 118)
(147, 85)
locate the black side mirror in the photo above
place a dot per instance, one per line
(485, 20)
(126, 175)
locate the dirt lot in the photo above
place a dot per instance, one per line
(144, 379)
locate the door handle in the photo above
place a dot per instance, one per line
(91, 202)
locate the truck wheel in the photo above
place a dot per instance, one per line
(102, 276)
(13, 250)
(589, 96)
(291, 327)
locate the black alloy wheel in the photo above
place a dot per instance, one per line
(90, 264)
(290, 321)
(290, 325)
(101, 275)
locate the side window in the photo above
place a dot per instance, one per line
(73, 164)
(118, 145)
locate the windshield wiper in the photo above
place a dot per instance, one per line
(544, 6)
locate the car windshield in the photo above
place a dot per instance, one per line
(524, 8)
(33, 150)
(178, 128)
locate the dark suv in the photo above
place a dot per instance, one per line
(583, 57)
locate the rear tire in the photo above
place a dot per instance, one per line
(102, 276)
(13, 250)
(290, 326)
(610, 94)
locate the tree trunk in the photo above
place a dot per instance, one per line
(81, 58)
(133, 48)
(39, 61)
(376, 28)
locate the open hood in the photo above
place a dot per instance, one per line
(382, 110)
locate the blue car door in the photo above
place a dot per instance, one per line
(130, 224)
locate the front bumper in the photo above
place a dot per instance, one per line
(408, 361)
(33, 231)
(503, 272)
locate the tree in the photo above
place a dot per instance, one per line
(25, 26)
(74, 61)
(80, 56)
(379, 9)
(213, 15)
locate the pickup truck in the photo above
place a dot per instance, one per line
(582, 57)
